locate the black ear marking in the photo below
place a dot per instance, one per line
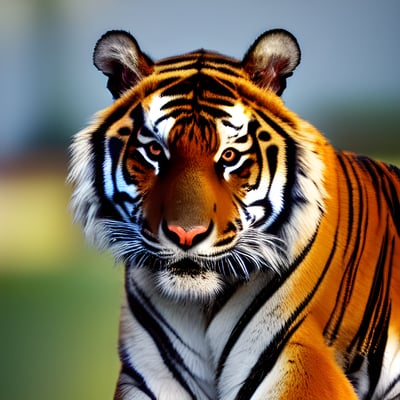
(118, 55)
(271, 59)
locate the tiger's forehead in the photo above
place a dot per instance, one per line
(197, 89)
(229, 126)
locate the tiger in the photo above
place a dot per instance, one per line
(260, 262)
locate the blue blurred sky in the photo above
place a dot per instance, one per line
(49, 88)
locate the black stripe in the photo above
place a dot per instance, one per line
(272, 158)
(97, 142)
(129, 370)
(349, 187)
(223, 68)
(187, 104)
(266, 361)
(193, 58)
(180, 88)
(214, 112)
(163, 83)
(115, 146)
(265, 294)
(256, 149)
(159, 317)
(269, 356)
(220, 102)
(206, 84)
(377, 352)
(371, 167)
(201, 60)
(392, 384)
(177, 102)
(375, 299)
(170, 356)
(201, 85)
(392, 199)
(373, 331)
(291, 167)
(346, 286)
(220, 301)
(385, 184)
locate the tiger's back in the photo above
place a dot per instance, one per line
(259, 261)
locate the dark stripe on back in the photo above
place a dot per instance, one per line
(375, 173)
(373, 330)
(193, 56)
(198, 66)
(383, 178)
(358, 229)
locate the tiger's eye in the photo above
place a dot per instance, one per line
(154, 149)
(230, 156)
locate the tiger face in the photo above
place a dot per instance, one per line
(185, 177)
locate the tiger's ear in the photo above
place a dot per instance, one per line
(118, 56)
(271, 59)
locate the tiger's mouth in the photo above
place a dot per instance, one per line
(188, 278)
(186, 266)
(196, 266)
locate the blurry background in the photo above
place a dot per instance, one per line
(59, 300)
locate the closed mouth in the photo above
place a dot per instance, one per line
(185, 266)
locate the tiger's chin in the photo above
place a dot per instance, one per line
(197, 286)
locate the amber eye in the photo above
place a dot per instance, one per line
(154, 150)
(230, 157)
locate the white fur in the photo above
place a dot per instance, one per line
(391, 368)
(121, 48)
(153, 113)
(276, 46)
(187, 337)
(84, 201)
(198, 288)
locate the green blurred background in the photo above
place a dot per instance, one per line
(59, 299)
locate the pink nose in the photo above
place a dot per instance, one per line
(185, 238)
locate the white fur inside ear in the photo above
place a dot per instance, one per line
(271, 59)
(117, 47)
(275, 47)
(118, 56)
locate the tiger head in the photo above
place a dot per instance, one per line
(198, 173)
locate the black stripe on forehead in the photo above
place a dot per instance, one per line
(201, 60)
(202, 86)
(198, 130)
(199, 94)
